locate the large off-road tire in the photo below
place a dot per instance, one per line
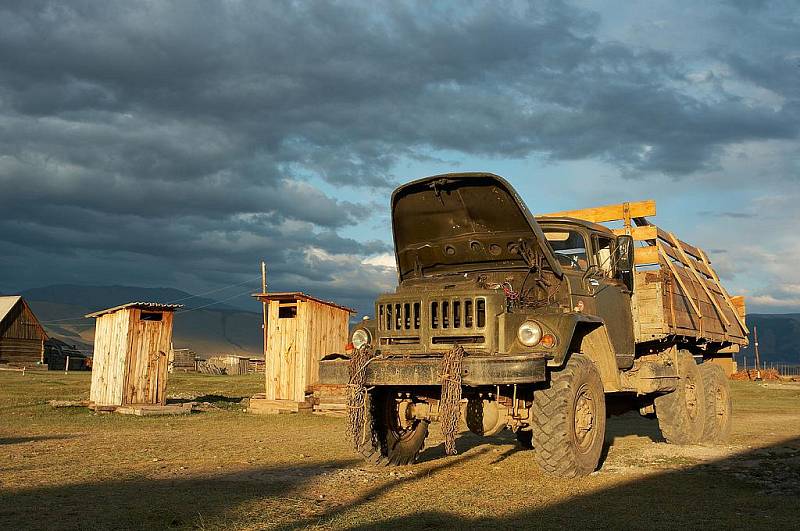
(717, 426)
(681, 413)
(387, 442)
(568, 420)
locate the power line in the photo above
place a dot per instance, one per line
(213, 303)
(216, 290)
(178, 300)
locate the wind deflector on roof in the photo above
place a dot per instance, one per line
(459, 222)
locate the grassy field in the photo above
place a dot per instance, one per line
(223, 468)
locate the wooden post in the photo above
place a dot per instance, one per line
(66, 366)
(758, 359)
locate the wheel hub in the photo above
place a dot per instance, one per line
(690, 396)
(405, 415)
(584, 417)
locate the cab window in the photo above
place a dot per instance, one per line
(569, 247)
(604, 255)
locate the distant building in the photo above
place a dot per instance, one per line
(22, 337)
(57, 354)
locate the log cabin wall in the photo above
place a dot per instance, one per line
(22, 337)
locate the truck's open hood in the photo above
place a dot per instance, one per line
(460, 222)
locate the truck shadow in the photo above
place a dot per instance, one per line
(757, 488)
(624, 424)
(753, 489)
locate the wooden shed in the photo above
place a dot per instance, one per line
(131, 350)
(183, 360)
(299, 331)
(22, 337)
(231, 363)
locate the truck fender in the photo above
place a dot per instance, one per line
(590, 337)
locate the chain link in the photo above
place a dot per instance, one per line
(450, 403)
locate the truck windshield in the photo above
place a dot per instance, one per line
(569, 247)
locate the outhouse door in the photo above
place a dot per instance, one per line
(147, 364)
(282, 369)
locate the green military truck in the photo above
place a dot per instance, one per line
(527, 323)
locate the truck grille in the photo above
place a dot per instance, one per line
(399, 316)
(458, 313)
(434, 323)
(443, 314)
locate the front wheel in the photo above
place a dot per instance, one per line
(568, 420)
(395, 436)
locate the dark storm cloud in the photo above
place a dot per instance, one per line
(213, 121)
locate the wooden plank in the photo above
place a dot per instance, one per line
(687, 248)
(700, 280)
(645, 255)
(602, 214)
(271, 362)
(739, 303)
(739, 319)
(682, 285)
(649, 232)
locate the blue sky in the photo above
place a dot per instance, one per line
(177, 144)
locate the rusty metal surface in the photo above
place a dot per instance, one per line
(475, 370)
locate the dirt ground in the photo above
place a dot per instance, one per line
(223, 468)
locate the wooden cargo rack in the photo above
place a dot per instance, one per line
(676, 291)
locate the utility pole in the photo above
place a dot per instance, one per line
(264, 305)
(758, 359)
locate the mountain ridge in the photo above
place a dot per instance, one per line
(210, 327)
(207, 326)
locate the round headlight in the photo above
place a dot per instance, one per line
(529, 333)
(360, 338)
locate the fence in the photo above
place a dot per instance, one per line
(784, 369)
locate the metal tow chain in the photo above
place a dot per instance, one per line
(450, 403)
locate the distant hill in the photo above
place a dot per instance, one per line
(221, 328)
(216, 329)
(778, 338)
(100, 297)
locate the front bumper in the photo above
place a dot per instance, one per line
(475, 370)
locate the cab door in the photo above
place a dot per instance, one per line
(612, 298)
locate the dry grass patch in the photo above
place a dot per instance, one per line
(223, 468)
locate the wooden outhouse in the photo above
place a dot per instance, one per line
(22, 337)
(299, 331)
(131, 353)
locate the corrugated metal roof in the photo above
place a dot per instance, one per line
(155, 306)
(6, 303)
(297, 295)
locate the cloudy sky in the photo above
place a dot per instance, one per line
(178, 144)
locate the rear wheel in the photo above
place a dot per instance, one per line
(568, 420)
(681, 413)
(717, 426)
(395, 436)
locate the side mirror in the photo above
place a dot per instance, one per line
(625, 254)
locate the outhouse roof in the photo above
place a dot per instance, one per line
(154, 306)
(295, 296)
